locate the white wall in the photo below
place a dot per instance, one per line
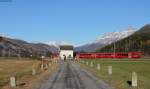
(66, 52)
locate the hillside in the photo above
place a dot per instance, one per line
(104, 40)
(19, 48)
(139, 41)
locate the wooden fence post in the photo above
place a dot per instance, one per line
(98, 66)
(87, 63)
(91, 64)
(109, 70)
(33, 71)
(134, 79)
(12, 81)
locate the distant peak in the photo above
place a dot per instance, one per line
(3, 35)
(52, 43)
(130, 29)
(65, 43)
(57, 44)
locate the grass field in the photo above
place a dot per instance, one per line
(122, 73)
(17, 68)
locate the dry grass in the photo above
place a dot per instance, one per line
(17, 68)
(33, 82)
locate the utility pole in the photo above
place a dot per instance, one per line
(42, 64)
(114, 48)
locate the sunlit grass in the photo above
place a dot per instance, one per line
(122, 73)
(16, 68)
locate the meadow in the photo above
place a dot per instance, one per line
(15, 67)
(121, 72)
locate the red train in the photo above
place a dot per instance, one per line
(55, 56)
(109, 55)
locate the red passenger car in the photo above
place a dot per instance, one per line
(109, 55)
(55, 56)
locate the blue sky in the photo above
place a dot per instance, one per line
(75, 21)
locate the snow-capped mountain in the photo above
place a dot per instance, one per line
(55, 45)
(113, 36)
(104, 40)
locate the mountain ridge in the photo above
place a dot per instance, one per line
(19, 48)
(104, 40)
(139, 41)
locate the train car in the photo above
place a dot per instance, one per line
(104, 55)
(85, 55)
(55, 56)
(121, 55)
(109, 55)
(135, 54)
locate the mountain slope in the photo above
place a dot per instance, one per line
(139, 41)
(104, 40)
(19, 48)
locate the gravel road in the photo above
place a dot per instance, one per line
(71, 76)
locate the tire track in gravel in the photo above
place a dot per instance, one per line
(71, 76)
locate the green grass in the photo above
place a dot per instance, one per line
(15, 67)
(122, 73)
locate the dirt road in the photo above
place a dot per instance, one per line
(71, 76)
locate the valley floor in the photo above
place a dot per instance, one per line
(121, 72)
(21, 69)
